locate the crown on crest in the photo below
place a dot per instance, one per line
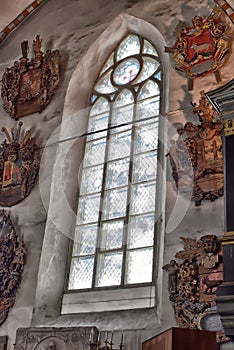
(30, 84)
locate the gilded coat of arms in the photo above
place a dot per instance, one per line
(29, 85)
(201, 48)
(193, 278)
(196, 156)
(19, 166)
(12, 260)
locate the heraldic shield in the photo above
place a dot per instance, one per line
(12, 260)
(19, 166)
(29, 86)
(196, 156)
(193, 278)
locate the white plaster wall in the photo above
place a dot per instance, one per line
(72, 27)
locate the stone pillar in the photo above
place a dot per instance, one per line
(223, 101)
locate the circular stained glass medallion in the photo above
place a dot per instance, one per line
(126, 71)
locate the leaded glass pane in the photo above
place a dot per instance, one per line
(148, 108)
(95, 152)
(141, 231)
(96, 124)
(104, 85)
(149, 48)
(81, 273)
(109, 269)
(150, 66)
(124, 98)
(129, 46)
(88, 209)
(85, 240)
(112, 235)
(115, 203)
(100, 106)
(117, 173)
(126, 71)
(139, 266)
(108, 64)
(91, 180)
(146, 138)
(144, 167)
(143, 198)
(150, 88)
(158, 75)
(119, 145)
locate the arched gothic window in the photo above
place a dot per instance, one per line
(115, 230)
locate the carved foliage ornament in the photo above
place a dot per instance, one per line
(12, 259)
(192, 284)
(29, 85)
(200, 48)
(19, 166)
(196, 156)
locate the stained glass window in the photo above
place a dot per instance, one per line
(115, 228)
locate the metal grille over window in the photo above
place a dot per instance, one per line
(115, 229)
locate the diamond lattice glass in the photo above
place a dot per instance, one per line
(109, 269)
(119, 145)
(112, 235)
(144, 167)
(95, 125)
(141, 231)
(81, 273)
(91, 179)
(104, 85)
(149, 48)
(139, 266)
(143, 198)
(146, 138)
(115, 203)
(95, 152)
(88, 209)
(148, 108)
(85, 240)
(129, 46)
(125, 97)
(150, 88)
(100, 106)
(117, 173)
(150, 66)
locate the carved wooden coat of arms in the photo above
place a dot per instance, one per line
(192, 284)
(201, 48)
(196, 156)
(12, 260)
(29, 85)
(19, 166)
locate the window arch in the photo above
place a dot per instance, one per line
(115, 228)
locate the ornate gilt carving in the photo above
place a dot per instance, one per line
(29, 85)
(192, 283)
(12, 259)
(19, 166)
(196, 156)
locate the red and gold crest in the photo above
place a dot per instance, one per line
(201, 48)
(29, 85)
(19, 166)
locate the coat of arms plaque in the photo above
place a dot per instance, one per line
(29, 85)
(12, 260)
(19, 166)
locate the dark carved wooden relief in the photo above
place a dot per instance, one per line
(12, 259)
(19, 166)
(201, 47)
(196, 156)
(193, 277)
(29, 85)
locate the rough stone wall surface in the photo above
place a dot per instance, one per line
(72, 27)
